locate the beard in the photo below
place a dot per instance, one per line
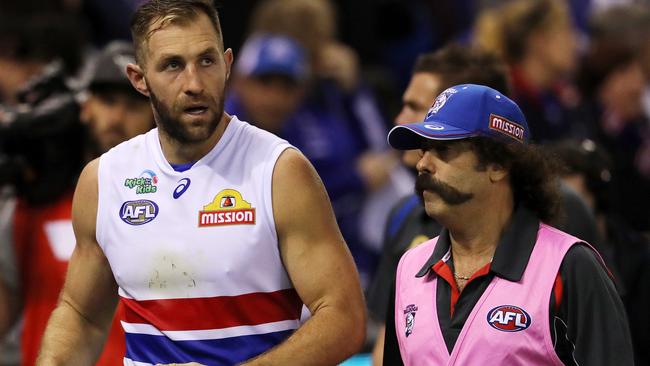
(449, 194)
(173, 127)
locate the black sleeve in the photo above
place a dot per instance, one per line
(379, 291)
(392, 355)
(590, 327)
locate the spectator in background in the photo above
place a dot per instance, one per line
(313, 24)
(521, 33)
(269, 83)
(587, 169)
(33, 47)
(337, 90)
(29, 43)
(41, 234)
(612, 79)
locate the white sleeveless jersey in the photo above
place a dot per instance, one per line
(195, 253)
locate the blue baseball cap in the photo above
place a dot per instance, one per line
(267, 54)
(463, 111)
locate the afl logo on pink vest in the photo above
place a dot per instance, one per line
(508, 318)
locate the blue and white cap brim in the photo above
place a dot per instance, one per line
(410, 136)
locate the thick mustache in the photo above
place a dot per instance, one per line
(449, 194)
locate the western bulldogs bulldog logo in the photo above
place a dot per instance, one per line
(440, 101)
(409, 315)
(508, 318)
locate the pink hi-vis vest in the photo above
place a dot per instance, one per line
(509, 324)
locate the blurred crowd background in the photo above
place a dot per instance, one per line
(329, 76)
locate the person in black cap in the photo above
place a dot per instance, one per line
(508, 287)
(112, 109)
(42, 236)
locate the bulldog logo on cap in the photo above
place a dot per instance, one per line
(440, 101)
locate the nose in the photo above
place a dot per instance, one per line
(193, 83)
(404, 117)
(426, 164)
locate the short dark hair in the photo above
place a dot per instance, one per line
(169, 11)
(457, 64)
(533, 174)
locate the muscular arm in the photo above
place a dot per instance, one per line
(320, 267)
(78, 326)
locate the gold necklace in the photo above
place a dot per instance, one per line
(466, 278)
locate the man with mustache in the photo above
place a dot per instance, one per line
(486, 289)
(210, 232)
(408, 224)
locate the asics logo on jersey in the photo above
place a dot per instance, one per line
(184, 184)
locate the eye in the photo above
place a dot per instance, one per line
(173, 65)
(207, 61)
(443, 151)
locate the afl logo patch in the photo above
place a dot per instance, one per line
(508, 318)
(138, 212)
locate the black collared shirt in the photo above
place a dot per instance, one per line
(588, 328)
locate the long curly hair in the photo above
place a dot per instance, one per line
(533, 174)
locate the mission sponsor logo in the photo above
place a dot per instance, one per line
(508, 318)
(138, 212)
(227, 208)
(145, 183)
(507, 127)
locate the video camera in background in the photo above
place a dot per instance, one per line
(42, 140)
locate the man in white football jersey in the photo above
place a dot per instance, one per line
(211, 233)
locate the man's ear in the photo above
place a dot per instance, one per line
(136, 77)
(228, 58)
(497, 172)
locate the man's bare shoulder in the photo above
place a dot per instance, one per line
(84, 203)
(293, 167)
